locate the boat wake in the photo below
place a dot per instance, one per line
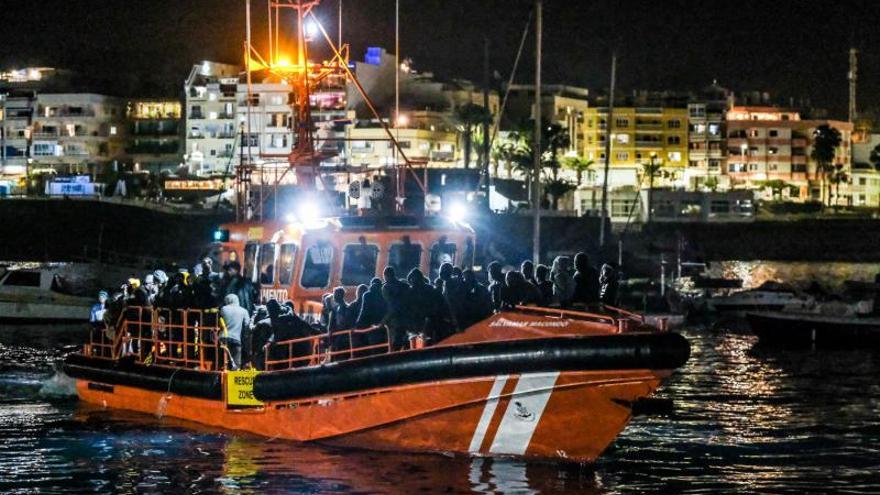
(59, 385)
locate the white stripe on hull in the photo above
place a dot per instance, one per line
(523, 413)
(488, 413)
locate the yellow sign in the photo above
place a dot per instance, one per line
(240, 388)
(194, 185)
(255, 233)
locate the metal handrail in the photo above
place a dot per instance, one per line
(317, 356)
(187, 341)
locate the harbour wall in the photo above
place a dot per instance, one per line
(83, 230)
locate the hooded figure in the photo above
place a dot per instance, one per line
(476, 302)
(609, 284)
(428, 311)
(373, 307)
(563, 284)
(288, 326)
(497, 285)
(236, 322)
(586, 281)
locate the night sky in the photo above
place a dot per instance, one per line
(790, 48)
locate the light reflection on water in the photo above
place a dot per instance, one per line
(747, 420)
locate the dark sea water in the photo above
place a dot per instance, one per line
(747, 420)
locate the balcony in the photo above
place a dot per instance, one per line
(65, 111)
(153, 148)
(155, 128)
(442, 156)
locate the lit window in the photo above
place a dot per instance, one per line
(316, 268)
(268, 255)
(404, 256)
(250, 261)
(622, 138)
(359, 263)
(112, 130)
(674, 156)
(441, 252)
(285, 268)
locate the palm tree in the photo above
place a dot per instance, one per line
(470, 116)
(711, 183)
(826, 140)
(875, 157)
(651, 169)
(556, 189)
(836, 176)
(579, 165)
(554, 138)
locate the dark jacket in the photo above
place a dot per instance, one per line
(586, 286)
(244, 289)
(373, 308)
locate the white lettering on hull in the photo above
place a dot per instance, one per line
(279, 294)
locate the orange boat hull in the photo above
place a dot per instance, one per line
(568, 415)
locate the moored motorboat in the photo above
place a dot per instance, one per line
(812, 329)
(770, 296)
(39, 295)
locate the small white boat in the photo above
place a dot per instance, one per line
(39, 295)
(767, 297)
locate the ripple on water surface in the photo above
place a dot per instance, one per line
(747, 420)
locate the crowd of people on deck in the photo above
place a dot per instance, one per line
(407, 308)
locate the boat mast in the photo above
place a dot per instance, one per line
(536, 147)
(609, 127)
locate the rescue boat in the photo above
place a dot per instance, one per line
(530, 381)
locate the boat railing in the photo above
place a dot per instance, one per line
(326, 348)
(181, 338)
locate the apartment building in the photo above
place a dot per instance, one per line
(429, 139)
(154, 133)
(707, 139)
(770, 143)
(639, 134)
(79, 133)
(16, 114)
(210, 113)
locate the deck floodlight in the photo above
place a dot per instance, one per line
(458, 211)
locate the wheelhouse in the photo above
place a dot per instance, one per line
(302, 262)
